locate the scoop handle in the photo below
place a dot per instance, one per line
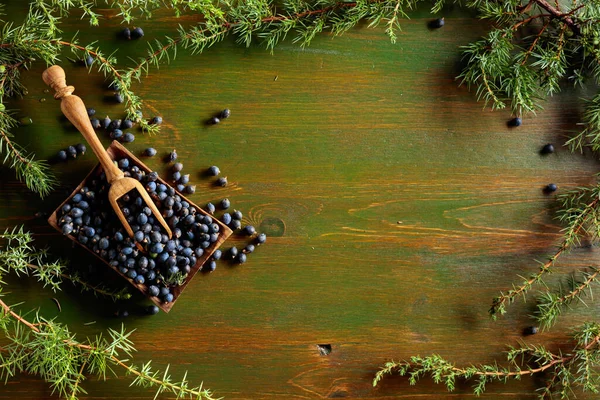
(74, 109)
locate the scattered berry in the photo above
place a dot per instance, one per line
(210, 208)
(241, 258)
(95, 123)
(123, 314)
(91, 111)
(249, 249)
(214, 170)
(80, 147)
(106, 123)
(177, 167)
(438, 23)
(156, 120)
(214, 121)
(237, 215)
(547, 149)
(137, 33)
(551, 187)
(150, 152)
(128, 137)
(152, 310)
(118, 98)
(62, 155)
(126, 34)
(173, 156)
(126, 124)
(225, 204)
(225, 113)
(515, 122)
(531, 330)
(222, 181)
(260, 239)
(190, 189)
(249, 230)
(71, 151)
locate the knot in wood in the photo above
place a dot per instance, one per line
(64, 91)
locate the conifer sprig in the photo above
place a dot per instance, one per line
(561, 373)
(18, 255)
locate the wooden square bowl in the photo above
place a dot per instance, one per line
(116, 151)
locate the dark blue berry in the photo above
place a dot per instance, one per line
(547, 149)
(67, 229)
(190, 189)
(168, 298)
(118, 236)
(88, 60)
(124, 163)
(249, 230)
(225, 204)
(140, 279)
(117, 134)
(156, 248)
(226, 218)
(241, 258)
(90, 111)
(131, 273)
(210, 266)
(118, 98)
(72, 151)
(176, 176)
(551, 187)
(156, 120)
(103, 244)
(126, 34)
(89, 231)
(185, 179)
(233, 252)
(515, 122)
(114, 124)
(106, 123)
(80, 147)
(128, 137)
(437, 23)
(260, 239)
(126, 124)
(214, 121)
(137, 33)
(235, 224)
(142, 219)
(173, 155)
(138, 236)
(217, 255)
(222, 181)
(198, 251)
(152, 310)
(236, 214)
(210, 208)
(95, 123)
(62, 155)
(225, 113)
(77, 198)
(150, 152)
(249, 249)
(214, 170)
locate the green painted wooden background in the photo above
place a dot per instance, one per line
(396, 206)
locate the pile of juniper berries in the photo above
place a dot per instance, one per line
(164, 262)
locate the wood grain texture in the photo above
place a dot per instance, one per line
(396, 208)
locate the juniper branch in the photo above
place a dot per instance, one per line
(579, 211)
(58, 357)
(18, 255)
(527, 360)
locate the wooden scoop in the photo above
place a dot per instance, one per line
(74, 109)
